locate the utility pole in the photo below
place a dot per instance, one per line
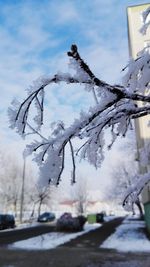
(22, 189)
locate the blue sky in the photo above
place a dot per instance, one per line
(34, 39)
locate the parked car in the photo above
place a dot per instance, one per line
(7, 221)
(100, 217)
(67, 223)
(46, 217)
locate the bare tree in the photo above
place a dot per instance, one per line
(11, 171)
(79, 194)
(10, 182)
(42, 196)
(123, 177)
(116, 106)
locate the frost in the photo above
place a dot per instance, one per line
(146, 20)
(115, 108)
(138, 72)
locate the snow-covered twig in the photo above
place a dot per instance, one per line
(115, 107)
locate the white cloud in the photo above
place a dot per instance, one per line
(65, 12)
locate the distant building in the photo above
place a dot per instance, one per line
(137, 42)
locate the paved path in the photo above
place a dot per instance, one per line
(95, 238)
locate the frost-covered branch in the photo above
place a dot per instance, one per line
(132, 193)
(115, 108)
(146, 20)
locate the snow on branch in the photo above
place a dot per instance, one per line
(146, 20)
(115, 107)
(132, 193)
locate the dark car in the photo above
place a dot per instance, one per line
(6, 221)
(67, 223)
(100, 217)
(46, 217)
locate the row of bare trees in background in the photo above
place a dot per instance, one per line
(34, 197)
(11, 179)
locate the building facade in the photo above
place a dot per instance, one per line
(137, 42)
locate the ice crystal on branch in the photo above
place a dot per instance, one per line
(146, 20)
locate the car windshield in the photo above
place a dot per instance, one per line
(45, 214)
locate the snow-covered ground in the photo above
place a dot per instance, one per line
(50, 240)
(129, 236)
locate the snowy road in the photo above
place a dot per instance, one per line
(13, 235)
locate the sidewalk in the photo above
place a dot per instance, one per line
(95, 238)
(130, 236)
